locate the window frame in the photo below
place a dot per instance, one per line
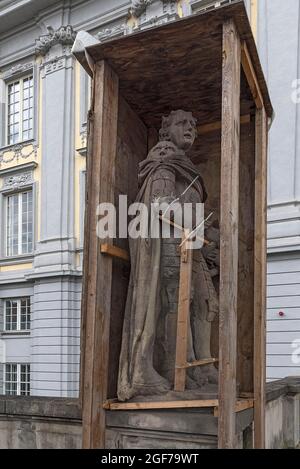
(18, 330)
(13, 80)
(12, 72)
(18, 171)
(18, 382)
(6, 195)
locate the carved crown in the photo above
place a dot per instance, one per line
(64, 35)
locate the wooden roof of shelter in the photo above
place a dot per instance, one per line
(179, 66)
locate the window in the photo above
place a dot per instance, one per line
(19, 224)
(17, 315)
(17, 379)
(20, 110)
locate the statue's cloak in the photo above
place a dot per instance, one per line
(136, 372)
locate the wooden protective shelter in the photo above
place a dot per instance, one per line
(207, 64)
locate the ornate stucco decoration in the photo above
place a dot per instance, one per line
(17, 181)
(83, 148)
(113, 31)
(141, 15)
(153, 13)
(139, 6)
(17, 70)
(65, 35)
(17, 152)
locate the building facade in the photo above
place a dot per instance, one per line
(44, 98)
(278, 37)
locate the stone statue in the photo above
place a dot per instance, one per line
(147, 359)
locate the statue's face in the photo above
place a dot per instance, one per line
(163, 150)
(182, 130)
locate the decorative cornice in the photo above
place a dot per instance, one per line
(17, 70)
(107, 33)
(65, 35)
(53, 65)
(17, 169)
(17, 181)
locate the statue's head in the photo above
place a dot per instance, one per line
(179, 128)
(163, 149)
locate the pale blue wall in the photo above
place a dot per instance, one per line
(279, 47)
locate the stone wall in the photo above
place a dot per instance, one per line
(283, 414)
(39, 423)
(47, 423)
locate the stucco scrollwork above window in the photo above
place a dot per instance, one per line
(114, 31)
(17, 70)
(17, 152)
(65, 35)
(18, 181)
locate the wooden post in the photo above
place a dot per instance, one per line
(98, 268)
(260, 278)
(229, 233)
(184, 300)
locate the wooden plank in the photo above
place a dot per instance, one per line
(184, 300)
(196, 404)
(244, 405)
(203, 362)
(214, 126)
(179, 227)
(260, 279)
(114, 251)
(229, 218)
(251, 76)
(240, 406)
(97, 269)
(246, 395)
(245, 336)
(85, 263)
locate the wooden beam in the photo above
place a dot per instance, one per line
(260, 279)
(245, 346)
(214, 126)
(196, 404)
(179, 227)
(183, 319)
(251, 76)
(114, 251)
(246, 395)
(97, 275)
(205, 361)
(229, 233)
(240, 406)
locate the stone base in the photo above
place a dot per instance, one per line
(186, 428)
(161, 429)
